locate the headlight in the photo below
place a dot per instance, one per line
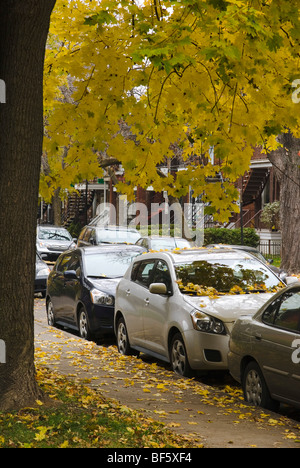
(207, 324)
(101, 298)
(43, 272)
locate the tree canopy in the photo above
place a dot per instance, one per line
(133, 80)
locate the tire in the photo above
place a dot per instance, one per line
(50, 314)
(255, 388)
(123, 340)
(83, 325)
(178, 357)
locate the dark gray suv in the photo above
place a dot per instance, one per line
(97, 235)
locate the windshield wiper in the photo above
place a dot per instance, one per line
(98, 276)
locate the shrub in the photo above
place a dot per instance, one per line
(231, 236)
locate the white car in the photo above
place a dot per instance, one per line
(180, 306)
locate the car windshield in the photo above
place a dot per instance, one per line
(225, 276)
(259, 256)
(118, 237)
(108, 264)
(161, 244)
(54, 234)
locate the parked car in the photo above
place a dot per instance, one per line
(51, 241)
(163, 243)
(278, 271)
(264, 351)
(81, 287)
(180, 306)
(41, 275)
(98, 235)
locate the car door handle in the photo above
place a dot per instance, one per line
(258, 336)
(146, 301)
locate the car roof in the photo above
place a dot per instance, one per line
(112, 228)
(230, 246)
(94, 249)
(182, 255)
(157, 236)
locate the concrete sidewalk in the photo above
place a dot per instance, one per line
(213, 415)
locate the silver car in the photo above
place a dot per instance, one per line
(265, 351)
(51, 241)
(180, 306)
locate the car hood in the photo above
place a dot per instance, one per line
(108, 285)
(64, 243)
(229, 308)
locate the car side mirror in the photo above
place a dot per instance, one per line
(291, 280)
(70, 275)
(158, 288)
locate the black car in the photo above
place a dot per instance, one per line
(81, 287)
(41, 275)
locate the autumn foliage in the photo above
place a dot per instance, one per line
(136, 81)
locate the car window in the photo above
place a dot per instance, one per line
(144, 272)
(74, 264)
(134, 270)
(161, 274)
(271, 311)
(87, 234)
(284, 312)
(81, 235)
(182, 243)
(62, 264)
(288, 315)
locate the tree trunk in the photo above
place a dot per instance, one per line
(56, 205)
(286, 161)
(24, 27)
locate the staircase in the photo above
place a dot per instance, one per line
(76, 206)
(254, 182)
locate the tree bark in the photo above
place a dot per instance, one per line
(286, 161)
(24, 27)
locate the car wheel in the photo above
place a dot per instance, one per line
(50, 314)
(179, 358)
(123, 340)
(255, 388)
(83, 325)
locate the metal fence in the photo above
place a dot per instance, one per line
(270, 248)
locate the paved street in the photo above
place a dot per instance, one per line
(210, 410)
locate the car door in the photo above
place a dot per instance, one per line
(278, 340)
(156, 311)
(56, 285)
(134, 293)
(72, 289)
